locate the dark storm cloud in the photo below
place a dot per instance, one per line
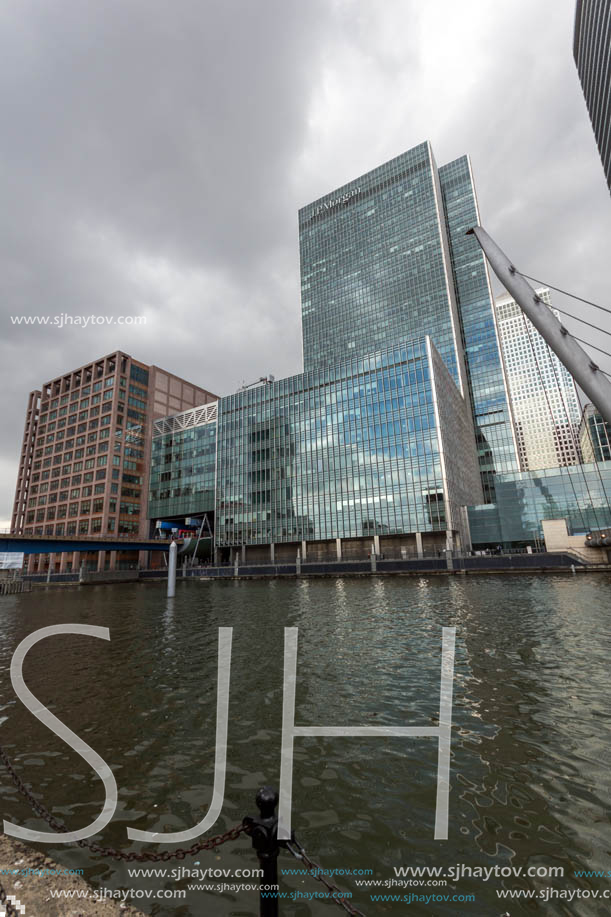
(154, 155)
(146, 153)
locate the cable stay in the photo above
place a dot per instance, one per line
(593, 346)
(582, 320)
(588, 302)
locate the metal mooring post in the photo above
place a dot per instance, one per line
(172, 570)
(263, 829)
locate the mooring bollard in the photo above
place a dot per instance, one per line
(172, 570)
(263, 829)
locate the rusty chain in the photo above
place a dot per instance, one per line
(315, 870)
(210, 843)
(9, 909)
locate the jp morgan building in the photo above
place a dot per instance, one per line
(385, 258)
(401, 417)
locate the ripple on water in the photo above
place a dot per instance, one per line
(531, 720)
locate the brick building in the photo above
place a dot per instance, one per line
(85, 459)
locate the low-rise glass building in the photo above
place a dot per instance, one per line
(358, 452)
(578, 493)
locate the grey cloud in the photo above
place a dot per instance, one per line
(154, 156)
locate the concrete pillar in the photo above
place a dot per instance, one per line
(101, 561)
(113, 560)
(143, 558)
(184, 567)
(51, 569)
(338, 548)
(216, 557)
(40, 567)
(63, 561)
(76, 559)
(304, 551)
(236, 564)
(419, 550)
(243, 553)
(376, 545)
(449, 549)
(374, 564)
(31, 563)
(272, 553)
(298, 563)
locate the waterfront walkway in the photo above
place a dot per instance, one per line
(541, 563)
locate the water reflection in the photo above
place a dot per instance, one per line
(531, 735)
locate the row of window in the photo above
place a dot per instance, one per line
(85, 527)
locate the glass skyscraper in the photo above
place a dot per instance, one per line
(384, 259)
(591, 43)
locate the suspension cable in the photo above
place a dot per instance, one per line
(572, 295)
(593, 346)
(582, 320)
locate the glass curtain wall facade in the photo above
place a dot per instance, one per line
(578, 493)
(344, 452)
(485, 375)
(374, 271)
(385, 259)
(595, 436)
(591, 43)
(183, 464)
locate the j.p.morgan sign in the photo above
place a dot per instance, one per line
(336, 202)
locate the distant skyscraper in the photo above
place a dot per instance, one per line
(592, 53)
(543, 395)
(385, 259)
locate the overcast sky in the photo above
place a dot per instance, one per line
(154, 156)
